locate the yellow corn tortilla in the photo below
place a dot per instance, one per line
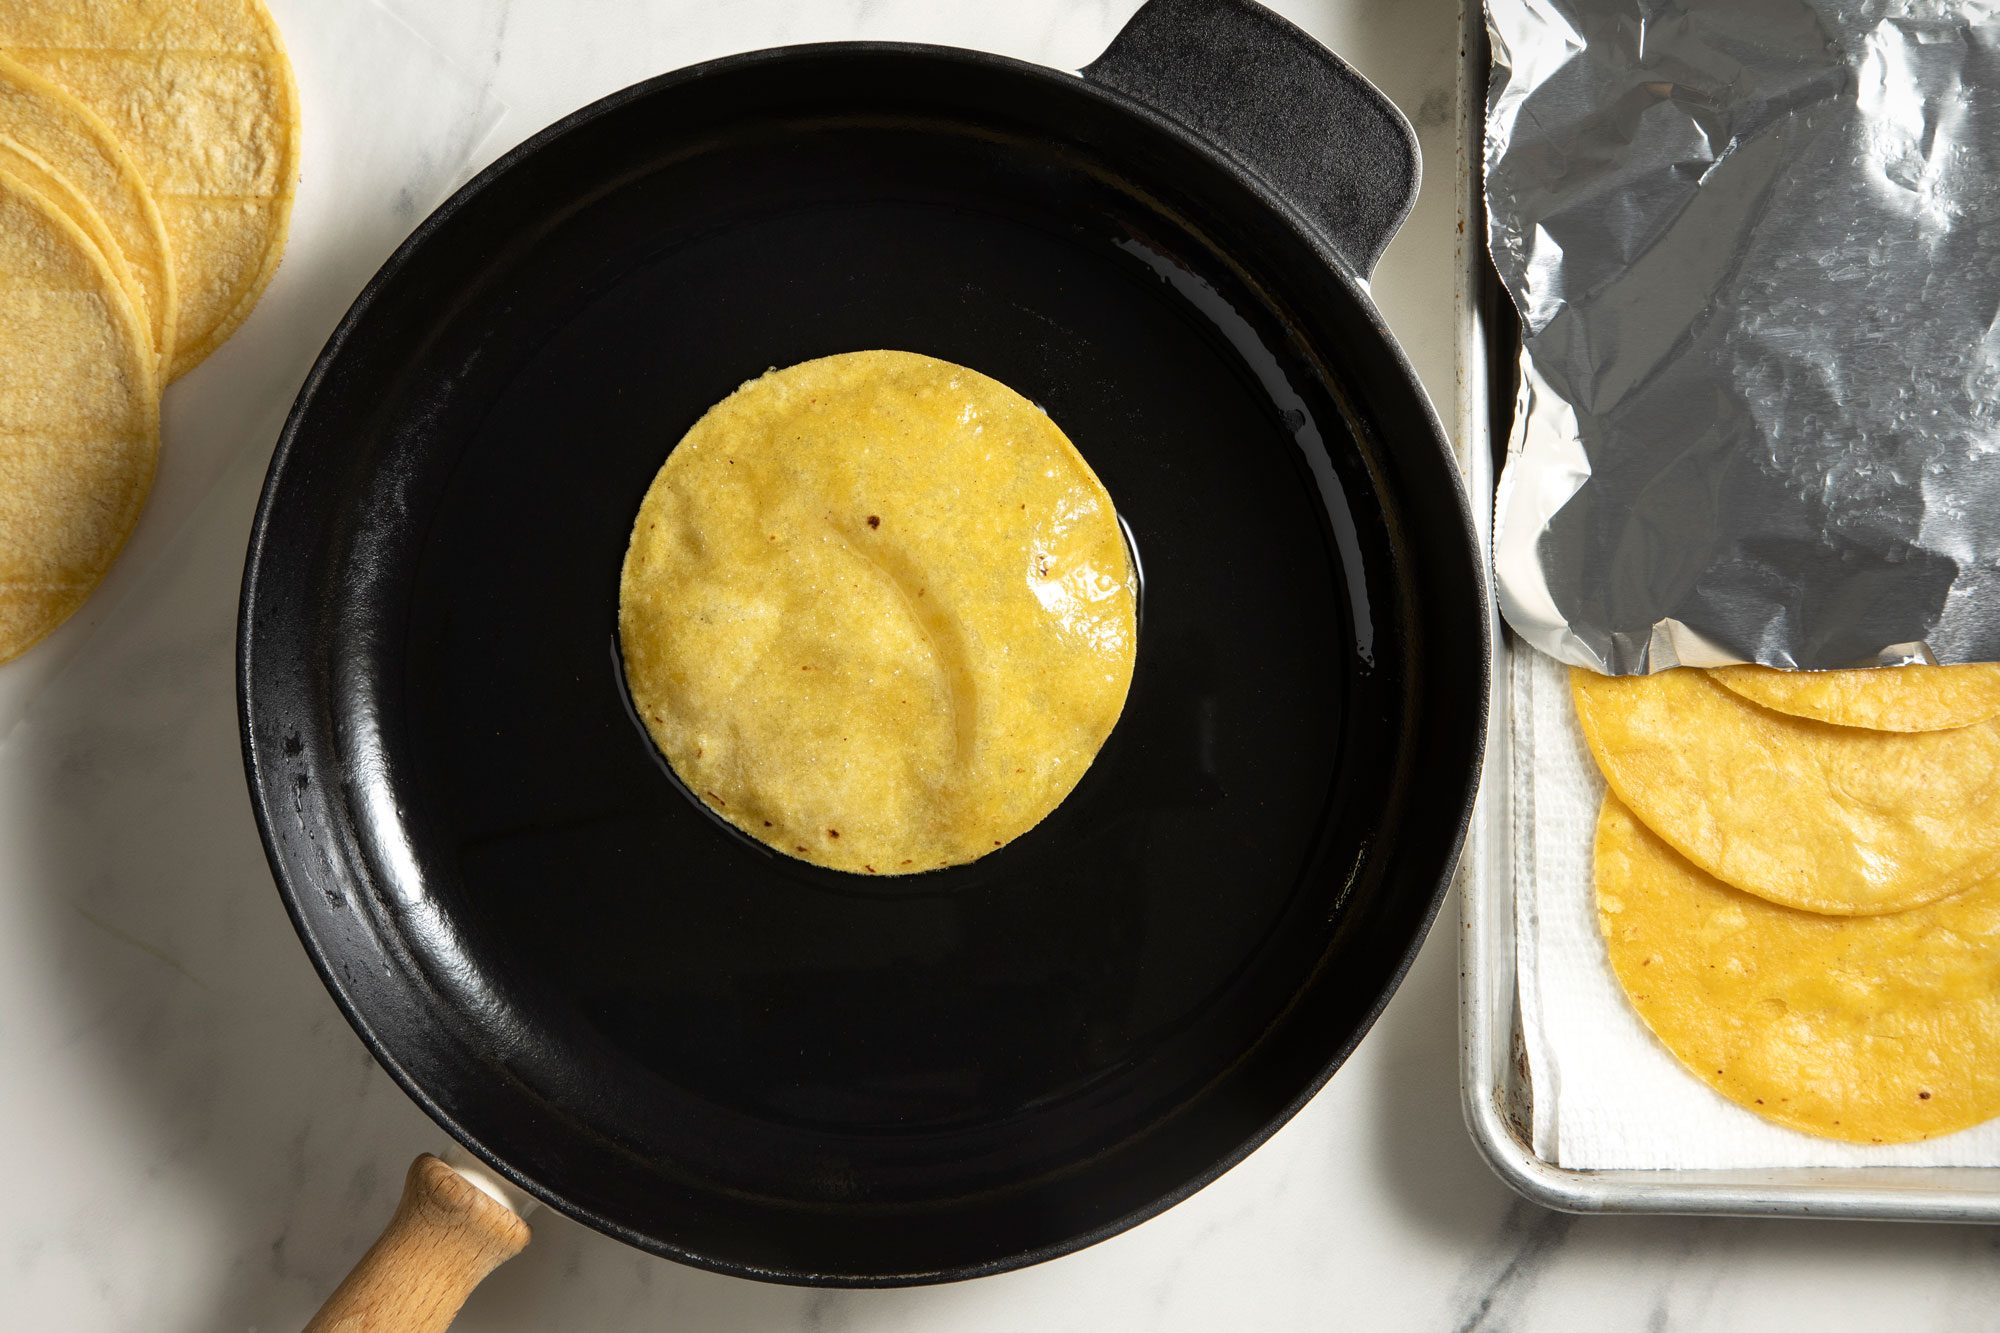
(57, 191)
(878, 613)
(1907, 698)
(1877, 1029)
(201, 94)
(79, 418)
(1812, 815)
(69, 155)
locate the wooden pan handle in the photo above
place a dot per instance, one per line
(446, 1236)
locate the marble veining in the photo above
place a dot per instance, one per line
(193, 1139)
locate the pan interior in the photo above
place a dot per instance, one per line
(731, 1055)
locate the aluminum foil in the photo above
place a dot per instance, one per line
(1755, 245)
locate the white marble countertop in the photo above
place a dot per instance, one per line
(192, 1137)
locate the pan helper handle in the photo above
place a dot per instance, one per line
(457, 1222)
(1289, 112)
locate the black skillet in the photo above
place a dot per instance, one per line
(726, 1056)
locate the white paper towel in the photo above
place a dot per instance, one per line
(1606, 1093)
(391, 126)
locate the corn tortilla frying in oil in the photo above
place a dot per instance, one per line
(878, 613)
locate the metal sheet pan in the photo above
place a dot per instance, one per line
(1497, 1085)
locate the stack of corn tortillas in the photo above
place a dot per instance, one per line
(1798, 882)
(148, 152)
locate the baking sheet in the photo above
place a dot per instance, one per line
(1497, 1082)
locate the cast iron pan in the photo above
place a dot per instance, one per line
(731, 1058)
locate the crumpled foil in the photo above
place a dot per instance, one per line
(1755, 245)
